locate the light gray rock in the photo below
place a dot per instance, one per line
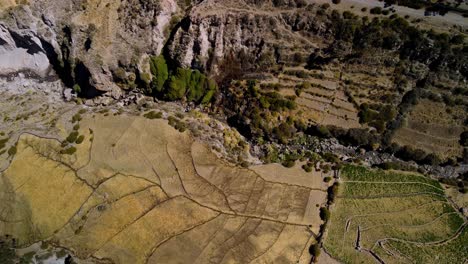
(22, 51)
(68, 95)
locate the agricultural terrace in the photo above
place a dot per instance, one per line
(394, 217)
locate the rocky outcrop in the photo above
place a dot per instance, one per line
(22, 51)
(85, 42)
(254, 35)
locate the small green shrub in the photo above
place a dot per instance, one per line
(160, 72)
(324, 214)
(76, 118)
(3, 142)
(289, 163)
(72, 137)
(12, 151)
(68, 151)
(314, 250)
(80, 139)
(307, 167)
(376, 10)
(153, 115)
(77, 88)
(331, 192)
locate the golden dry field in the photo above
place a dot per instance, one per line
(136, 190)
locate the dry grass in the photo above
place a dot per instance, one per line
(432, 129)
(140, 187)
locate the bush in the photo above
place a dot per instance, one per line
(80, 139)
(3, 142)
(153, 115)
(289, 163)
(336, 2)
(307, 167)
(319, 131)
(178, 84)
(324, 214)
(331, 192)
(76, 118)
(314, 250)
(330, 157)
(376, 10)
(76, 127)
(210, 90)
(196, 86)
(77, 89)
(12, 151)
(68, 151)
(72, 137)
(160, 72)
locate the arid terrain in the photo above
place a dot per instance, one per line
(250, 131)
(139, 191)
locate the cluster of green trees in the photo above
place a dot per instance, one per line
(255, 112)
(178, 84)
(376, 115)
(396, 33)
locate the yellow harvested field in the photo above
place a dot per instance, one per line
(138, 191)
(291, 176)
(42, 194)
(164, 221)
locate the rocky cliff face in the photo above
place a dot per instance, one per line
(88, 48)
(255, 34)
(85, 42)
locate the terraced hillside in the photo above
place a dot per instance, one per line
(392, 217)
(321, 97)
(443, 138)
(133, 190)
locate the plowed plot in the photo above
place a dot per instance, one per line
(394, 218)
(141, 192)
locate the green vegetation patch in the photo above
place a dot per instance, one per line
(12, 151)
(179, 84)
(3, 143)
(394, 216)
(72, 137)
(453, 251)
(68, 151)
(153, 115)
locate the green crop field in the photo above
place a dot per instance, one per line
(394, 217)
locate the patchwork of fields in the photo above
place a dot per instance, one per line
(138, 191)
(392, 217)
